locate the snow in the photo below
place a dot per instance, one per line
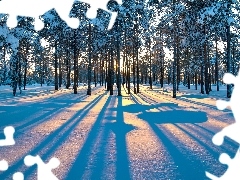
(148, 135)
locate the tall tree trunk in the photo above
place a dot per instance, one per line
(56, 66)
(128, 74)
(75, 81)
(106, 68)
(196, 83)
(25, 67)
(137, 59)
(68, 66)
(20, 74)
(229, 86)
(5, 65)
(178, 65)
(112, 69)
(202, 83)
(60, 73)
(109, 72)
(206, 69)
(174, 74)
(134, 73)
(216, 66)
(118, 61)
(94, 70)
(89, 59)
(150, 59)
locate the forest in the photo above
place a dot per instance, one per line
(152, 42)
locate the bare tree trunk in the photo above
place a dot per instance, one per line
(174, 74)
(56, 66)
(118, 61)
(134, 72)
(216, 66)
(25, 68)
(111, 69)
(196, 83)
(202, 83)
(68, 66)
(229, 86)
(89, 59)
(75, 64)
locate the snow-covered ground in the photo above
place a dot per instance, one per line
(148, 135)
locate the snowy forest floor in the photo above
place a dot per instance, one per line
(148, 135)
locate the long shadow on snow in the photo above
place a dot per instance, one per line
(120, 129)
(187, 168)
(13, 116)
(79, 166)
(55, 140)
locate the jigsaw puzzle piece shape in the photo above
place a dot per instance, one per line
(229, 78)
(232, 172)
(44, 171)
(8, 133)
(18, 176)
(35, 9)
(231, 131)
(3, 165)
(26, 8)
(63, 8)
(101, 4)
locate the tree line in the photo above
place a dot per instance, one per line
(167, 41)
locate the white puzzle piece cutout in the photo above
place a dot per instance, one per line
(101, 4)
(232, 172)
(36, 8)
(8, 133)
(8, 141)
(3, 165)
(232, 131)
(18, 176)
(44, 171)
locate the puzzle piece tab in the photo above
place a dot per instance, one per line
(3, 165)
(101, 4)
(231, 131)
(232, 172)
(44, 171)
(8, 132)
(36, 8)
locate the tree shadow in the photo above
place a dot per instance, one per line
(53, 141)
(120, 129)
(138, 108)
(194, 96)
(174, 116)
(187, 168)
